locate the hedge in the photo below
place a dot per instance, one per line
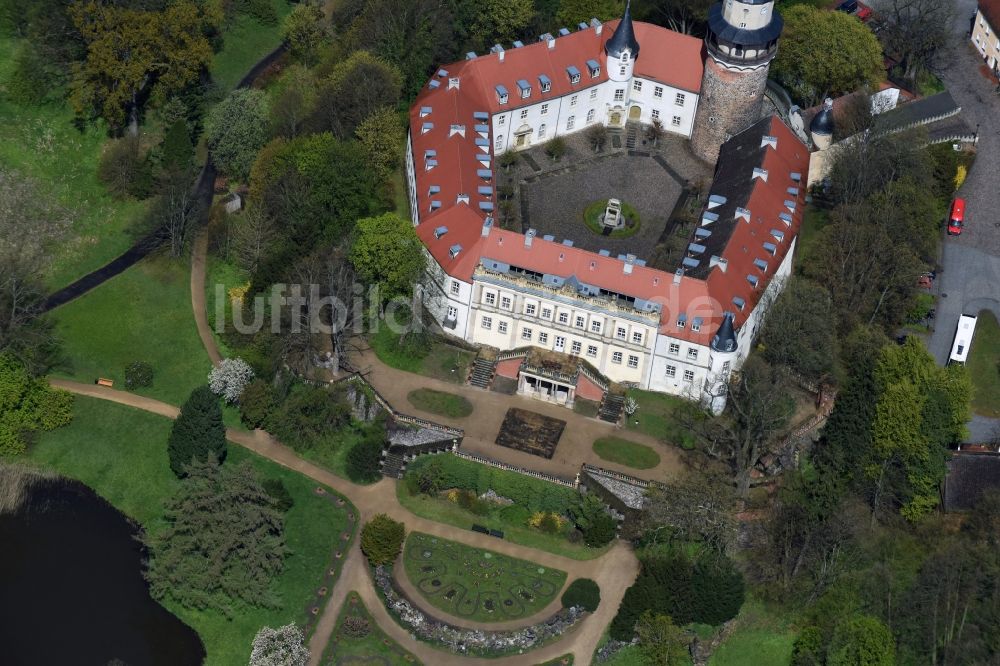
(582, 592)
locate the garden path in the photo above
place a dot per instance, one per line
(199, 261)
(614, 571)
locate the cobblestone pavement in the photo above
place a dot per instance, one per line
(970, 279)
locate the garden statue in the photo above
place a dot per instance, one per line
(613, 215)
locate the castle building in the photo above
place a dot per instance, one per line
(681, 331)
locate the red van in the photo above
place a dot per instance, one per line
(956, 217)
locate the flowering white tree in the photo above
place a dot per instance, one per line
(283, 646)
(631, 405)
(229, 378)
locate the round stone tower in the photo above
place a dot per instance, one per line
(742, 41)
(723, 357)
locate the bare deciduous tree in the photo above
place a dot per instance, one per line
(252, 233)
(177, 209)
(684, 16)
(916, 31)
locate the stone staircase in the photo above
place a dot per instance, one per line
(611, 408)
(631, 136)
(482, 373)
(392, 465)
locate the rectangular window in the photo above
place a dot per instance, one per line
(543, 338)
(490, 298)
(676, 121)
(637, 86)
(679, 99)
(620, 332)
(455, 288)
(622, 70)
(658, 92)
(725, 368)
(591, 351)
(545, 109)
(505, 302)
(546, 313)
(575, 348)
(619, 94)
(501, 120)
(616, 357)
(570, 122)
(637, 337)
(681, 322)
(529, 309)
(675, 348)
(541, 131)
(595, 326)
(671, 371)
(524, 114)
(502, 327)
(499, 143)
(593, 93)
(572, 100)
(692, 353)
(590, 116)
(633, 361)
(695, 326)
(452, 312)
(526, 334)
(487, 323)
(689, 375)
(656, 114)
(563, 317)
(581, 322)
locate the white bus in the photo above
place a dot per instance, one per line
(963, 339)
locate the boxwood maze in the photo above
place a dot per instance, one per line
(477, 584)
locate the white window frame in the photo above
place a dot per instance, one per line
(575, 347)
(570, 122)
(637, 337)
(456, 287)
(621, 333)
(671, 371)
(490, 297)
(502, 327)
(486, 323)
(692, 354)
(689, 375)
(580, 321)
(633, 361)
(543, 338)
(527, 333)
(544, 110)
(530, 309)
(658, 92)
(675, 349)
(637, 86)
(679, 99)
(590, 115)
(452, 312)
(595, 326)
(592, 351)
(616, 357)
(619, 94)
(564, 318)
(573, 99)
(506, 302)
(676, 121)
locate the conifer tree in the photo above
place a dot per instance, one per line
(198, 432)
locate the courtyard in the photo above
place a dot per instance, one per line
(477, 584)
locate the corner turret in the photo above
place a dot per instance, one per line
(622, 49)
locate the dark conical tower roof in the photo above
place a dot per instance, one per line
(725, 338)
(624, 37)
(822, 123)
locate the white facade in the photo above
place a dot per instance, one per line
(610, 103)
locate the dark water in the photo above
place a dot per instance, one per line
(71, 587)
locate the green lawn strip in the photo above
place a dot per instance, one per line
(439, 402)
(121, 453)
(984, 366)
(592, 219)
(245, 41)
(42, 142)
(220, 277)
(442, 361)
(813, 222)
(331, 452)
(655, 417)
(448, 513)
(476, 584)
(762, 636)
(376, 647)
(144, 314)
(624, 452)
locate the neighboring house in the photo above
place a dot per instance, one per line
(681, 332)
(985, 33)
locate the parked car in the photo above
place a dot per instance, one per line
(956, 217)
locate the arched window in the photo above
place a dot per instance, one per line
(626, 54)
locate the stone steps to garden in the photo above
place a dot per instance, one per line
(611, 408)
(631, 137)
(392, 466)
(482, 372)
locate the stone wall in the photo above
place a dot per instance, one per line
(730, 102)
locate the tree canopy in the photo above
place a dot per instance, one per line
(236, 129)
(387, 252)
(198, 434)
(826, 53)
(27, 405)
(382, 539)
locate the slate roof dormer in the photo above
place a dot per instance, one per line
(624, 37)
(725, 339)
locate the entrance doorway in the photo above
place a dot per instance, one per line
(560, 345)
(635, 112)
(616, 118)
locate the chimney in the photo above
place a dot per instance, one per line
(498, 49)
(678, 274)
(629, 263)
(528, 237)
(597, 25)
(487, 225)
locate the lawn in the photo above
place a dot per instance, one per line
(813, 222)
(984, 366)
(449, 513)
(655, 417)
(121, 454)
(42, 142)
(374, 647)
(439, 402)
(144, 314)
(624, 452)
(245, 41)
(475, 584)
(441, 361)
(331, 452)
(761, 637)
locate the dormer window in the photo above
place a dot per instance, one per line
(626, 56)
(454, 250)
(594, 68)
(440, 231)
(502, 95)
(544, 83)
(574, 74)
(525, 88)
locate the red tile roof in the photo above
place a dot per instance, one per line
(991, 10)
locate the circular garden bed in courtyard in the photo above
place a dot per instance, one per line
(594, 212)
(477, 584)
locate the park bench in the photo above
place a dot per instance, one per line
(496, 533)
(101, 381)
(480, 529)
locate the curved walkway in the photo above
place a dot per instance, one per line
(199, 262)
(614, 571)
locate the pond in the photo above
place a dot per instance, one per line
(73, 591)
